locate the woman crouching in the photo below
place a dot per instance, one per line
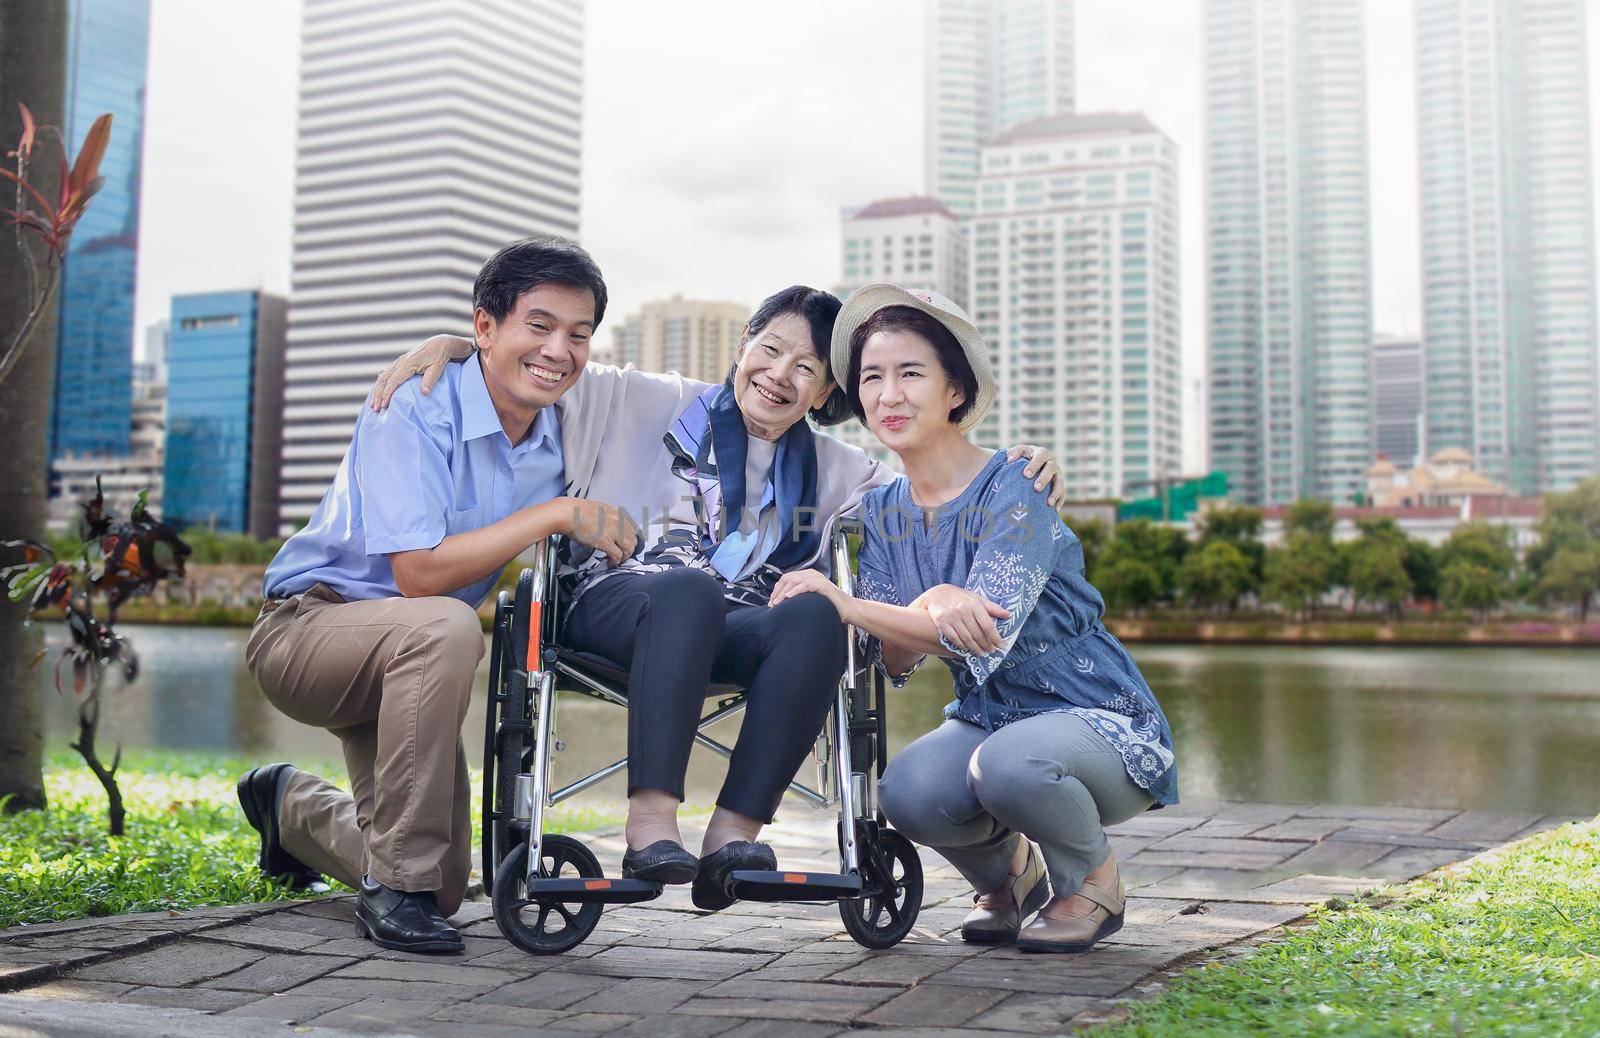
(1054, 733)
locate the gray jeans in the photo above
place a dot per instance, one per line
(968, 793)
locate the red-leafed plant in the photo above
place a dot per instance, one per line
(51, 224)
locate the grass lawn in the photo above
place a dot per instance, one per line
(1506, 945)
(187, 842)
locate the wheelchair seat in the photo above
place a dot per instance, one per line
(603, 670)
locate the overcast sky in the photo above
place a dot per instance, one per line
(721, 139)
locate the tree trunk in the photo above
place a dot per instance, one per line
(33, 58)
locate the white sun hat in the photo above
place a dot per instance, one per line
(869, 299)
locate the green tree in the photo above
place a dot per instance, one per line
(1571, 576)
(1469, 585)
(1300, 571)
(1161, 547)
(1215, 575)
(1093, 534)
(1310, 515)
(1377, 573)
(1483, 544)
(1128, 584)
(1240, 526)
(1421, 561)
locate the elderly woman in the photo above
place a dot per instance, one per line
(1053, 734)
(734, 489)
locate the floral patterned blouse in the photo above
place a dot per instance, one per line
(1001, 539)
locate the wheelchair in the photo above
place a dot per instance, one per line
(548, 890)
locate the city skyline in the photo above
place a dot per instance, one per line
(772, 225)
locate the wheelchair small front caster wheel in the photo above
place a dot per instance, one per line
(891, 893)
(545, 926)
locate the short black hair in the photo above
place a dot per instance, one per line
(526, 264)
(952, 358)
(819, 308)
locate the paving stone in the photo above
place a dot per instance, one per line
(1265, 858)
(204, 999)
(388, 990)
(1312, 829)
(1034, 1014)
(499, 1018)
(1153, 825)
(1266, 813)
(929, 1004)
(1188, 841)
(520, 962)
(903, 970)
(1136, 876)
(641, 996)
(1484, 826)
(653, 962)
(676, 1027)
(800, 991)
(16, 974)
(255, 935)
(439, 970)
(1215, 828)
(1550, 822)
(1337, 856)
(292, 1008)
(1309, 888)
(552, 990)
(277, 973)
(100, 938)
(597, 1023)
(341, 906)
(1361, 834)
(320, 926)
(371, 1014)
(1437, 816)
(777, 1029)
(1407, 863)
(774, 1009)
(1212, 883)
(996, 974)
(172, 966)
(75, 990)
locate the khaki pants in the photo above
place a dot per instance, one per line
(391, 677)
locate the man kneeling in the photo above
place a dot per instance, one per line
(369, 627)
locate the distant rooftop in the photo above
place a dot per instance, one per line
(911, 205)
(1073, 124)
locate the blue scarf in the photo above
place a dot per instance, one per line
(714, 425)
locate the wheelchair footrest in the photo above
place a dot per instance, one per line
(593, 891)
(762, 885)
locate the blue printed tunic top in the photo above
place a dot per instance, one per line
(1002, 540)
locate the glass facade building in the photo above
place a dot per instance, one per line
(1508, 267)
(107, 50)
(224, 400)
(1289, 294)
(1397, 400)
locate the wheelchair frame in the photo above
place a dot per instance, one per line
(878, 888)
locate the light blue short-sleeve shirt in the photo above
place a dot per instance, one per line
(421, 470)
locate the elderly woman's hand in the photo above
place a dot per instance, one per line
(965, 619)
(428, 360)
(809, 581)
(1042, 464)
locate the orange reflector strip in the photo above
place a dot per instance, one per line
(794, 877)
(597, 884)
(533, 637)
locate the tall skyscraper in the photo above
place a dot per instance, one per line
(1397, 388)
(915, 242)
(990, 64)
(430, 134)
(108, 45)
(694, 337)
(224, 411)
(1507, 208)
(1076, 288)
(1289, 311)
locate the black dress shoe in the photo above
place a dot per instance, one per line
(664, 861)
(710, 890)
(403, 920)
(260, 792)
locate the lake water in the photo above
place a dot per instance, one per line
(1486, 729)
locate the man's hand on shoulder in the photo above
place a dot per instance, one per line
(428, 360)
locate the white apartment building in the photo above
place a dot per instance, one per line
(697, 338)
(915, 242)
(989, 64)
(1288, 276)
(431, 133)
(1507, 207)
(1076, 288)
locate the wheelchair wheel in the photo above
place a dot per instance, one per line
(547, 928)
(891, 892)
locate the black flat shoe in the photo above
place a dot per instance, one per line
(403, 920)
(260, 792)
(710, 890)
(664, 861)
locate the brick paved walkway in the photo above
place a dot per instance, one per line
(1203, 876)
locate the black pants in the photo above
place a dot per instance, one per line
(676, 633)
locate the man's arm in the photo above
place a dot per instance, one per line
(468, 557)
